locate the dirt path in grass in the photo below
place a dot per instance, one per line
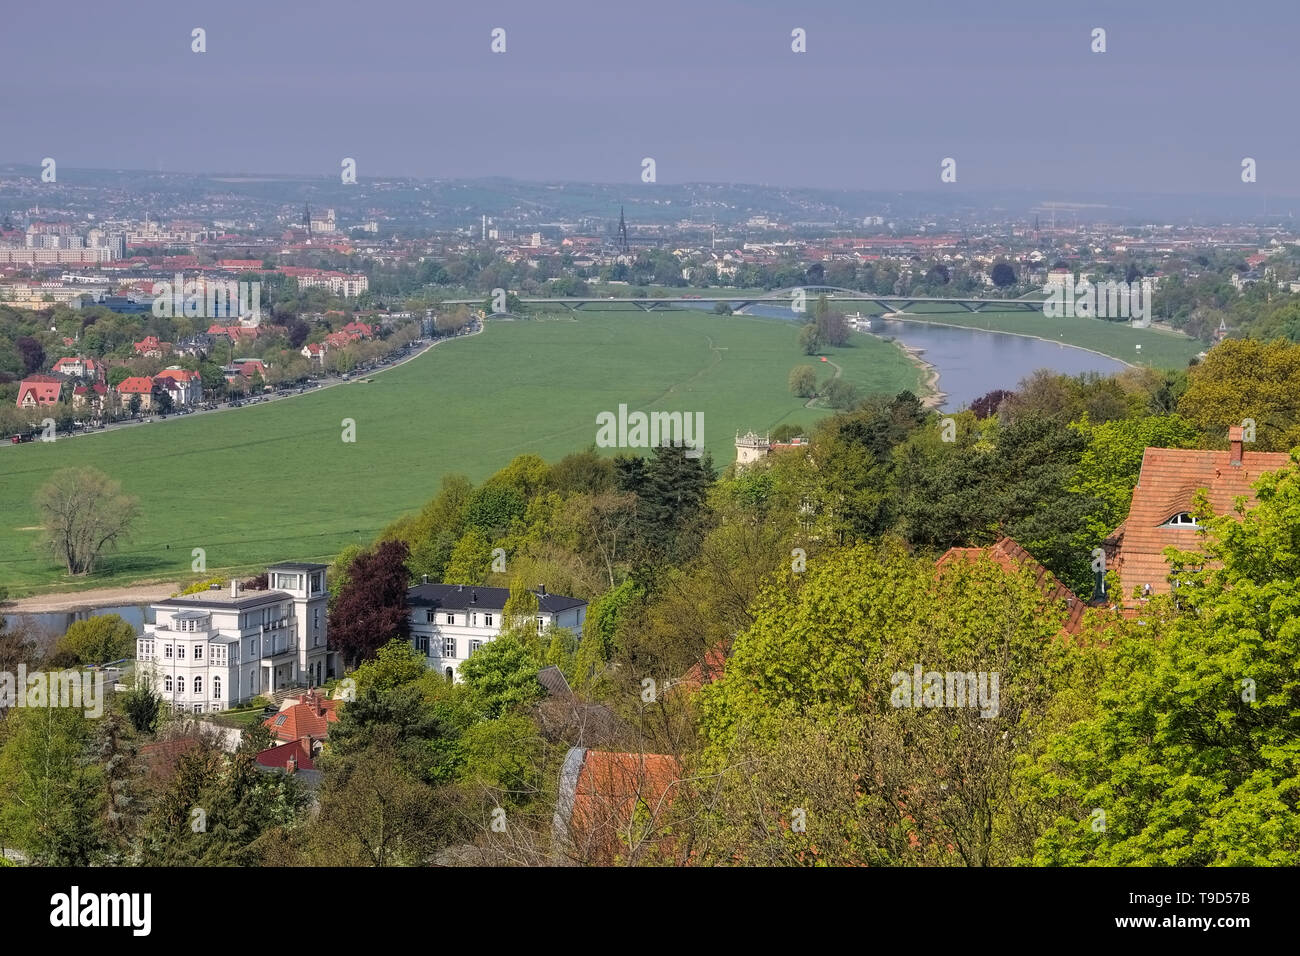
(838, 372)
(96, 597)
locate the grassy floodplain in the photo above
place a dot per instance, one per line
(276, 481)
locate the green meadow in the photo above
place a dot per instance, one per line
(277, 482)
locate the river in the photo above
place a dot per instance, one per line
(973, 362)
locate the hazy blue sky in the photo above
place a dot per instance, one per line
(709, 88)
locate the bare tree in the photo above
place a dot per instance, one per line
(85, 514)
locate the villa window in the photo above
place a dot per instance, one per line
(487, 620)
(422, 644)
(198, 685)
(449, 647)
(451, 618)
(541, 623)
(1184, 519)
(167, 651)
(167, 683)
(216, 688)
(180, 652)
(198, 652)
(431, 617)
(474, 646)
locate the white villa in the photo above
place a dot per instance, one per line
(449, 622)
(209, 651)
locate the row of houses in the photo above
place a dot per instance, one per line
(182, 386)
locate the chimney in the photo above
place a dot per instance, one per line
(541, 590)
(1235, 435)
(234, 587)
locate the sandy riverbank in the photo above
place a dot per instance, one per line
(96, 597)
(931, 395)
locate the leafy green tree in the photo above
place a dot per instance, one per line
(471, 559)
(672, 491)
(1003, 275)
(854, 483)
(1243, 378)
(841, 394)
(1109, 466)
(803, 381)
(502, 675)
(102, 639)
(831, 328)
(218, 810)
(495, 507)
(394, 665)
(375, 812)
(503, 759)
(51, 790)
(142, 706)
(1190, 751)
(810, 339)
(433, 533)
(810, 714)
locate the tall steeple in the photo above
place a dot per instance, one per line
(622, 233)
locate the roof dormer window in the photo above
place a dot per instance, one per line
(1184, 519)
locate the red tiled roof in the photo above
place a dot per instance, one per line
(310, 716)
(179, 374)
(43, 389)
(1011, 557)
(708, 669)
(601, 797)
(295, 753)
(136, 385)
(1169, 479)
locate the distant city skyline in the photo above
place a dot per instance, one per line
(712, 92)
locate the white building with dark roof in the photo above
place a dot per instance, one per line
(210, 651)
(449, 622)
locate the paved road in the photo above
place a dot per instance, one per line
(329, 382)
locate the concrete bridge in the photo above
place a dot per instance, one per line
(779, 297)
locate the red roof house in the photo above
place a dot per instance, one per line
(150, 347)
(612, 806)
(1011, 557)
(79, 368)
(308, 716)
(290, 757)
(39, 390)
(1160, 513)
